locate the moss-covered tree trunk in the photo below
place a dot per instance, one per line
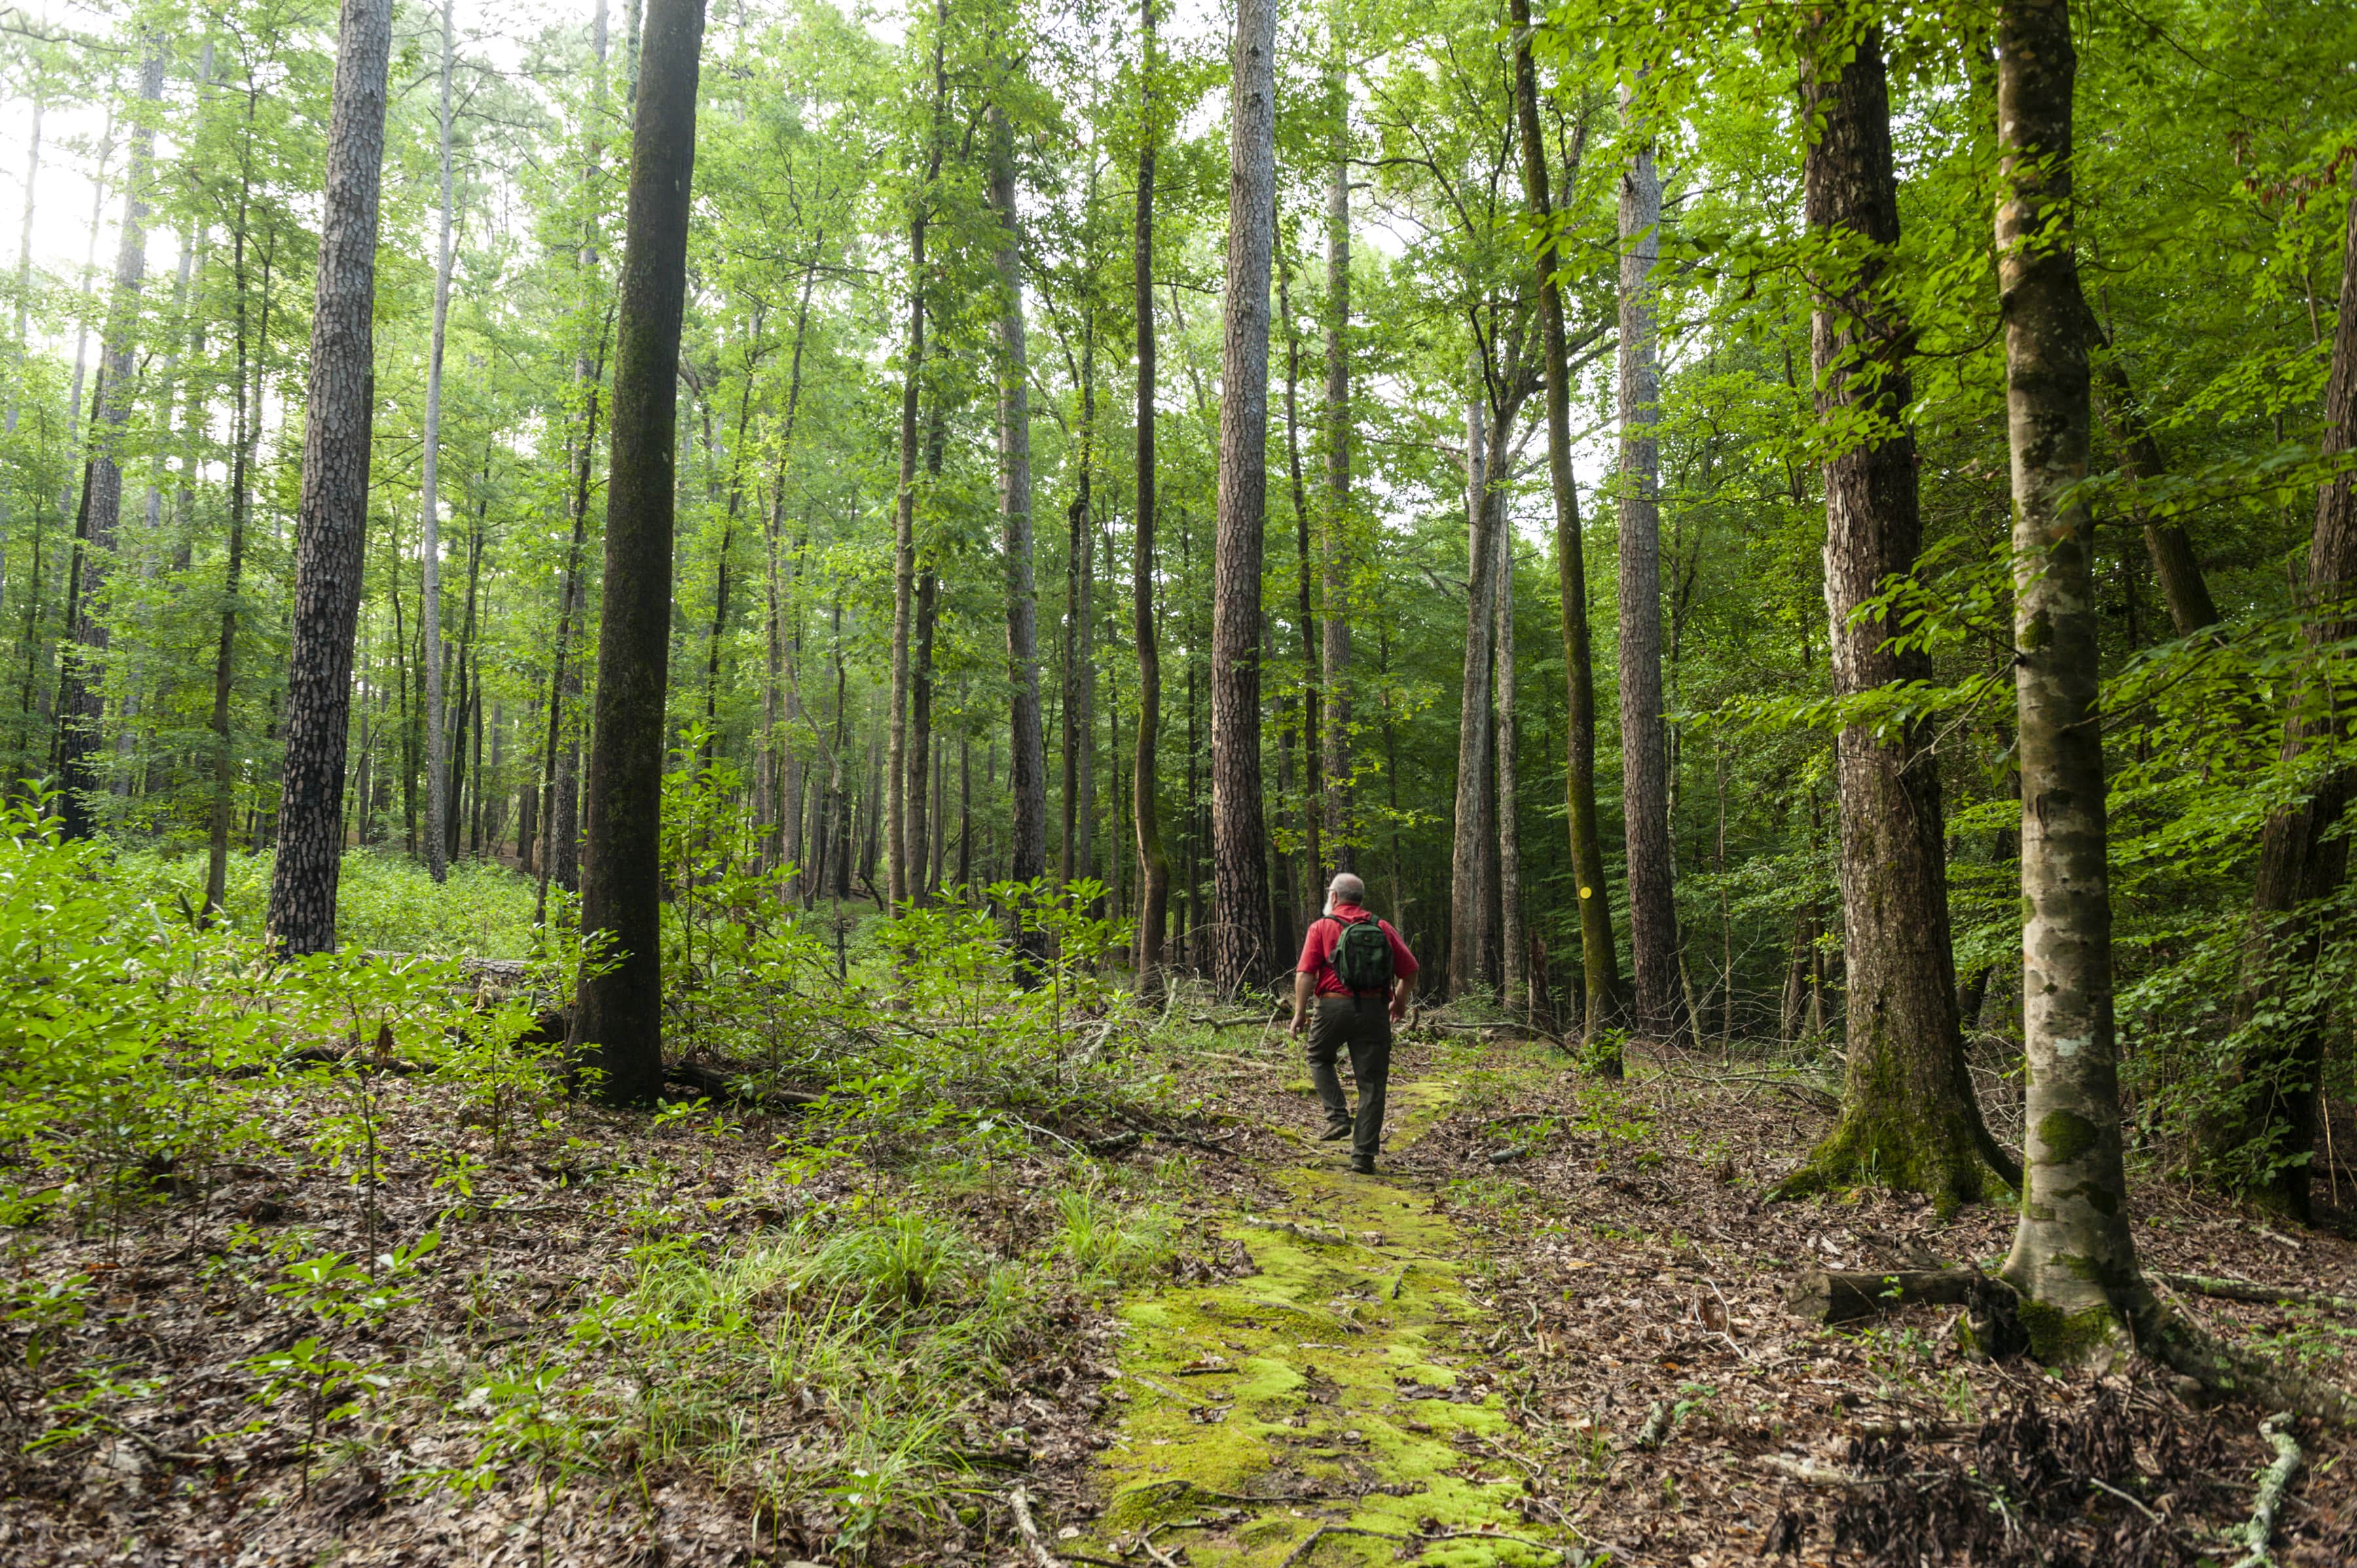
(618, 1027)
(1909, 1119)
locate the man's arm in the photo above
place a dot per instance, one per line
(1304, 983)
(1401, 990)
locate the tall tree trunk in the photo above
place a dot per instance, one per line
(2302, 859)
(1909, 1119)
(1153, 861)
(1313, 783)
(332, 517)
(2182, 586)
(82, 692)
(904, 526)
(1334, 552)
(561, 762)
(246, 426)
(1028, 762)
(1513, 944)
(1239, 842)
(921, 677)
(2072, 1256)
(438, 798)
(1600, 960)
(1468, 889)
(1080, 593)
(1661, 1012)
(617, 1024)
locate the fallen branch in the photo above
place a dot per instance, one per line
(1323, 1530)
(1218, 1024)
(2273, 1482)
(1809, 1473)
(700, 1081)
(2253, 1292)
(1040, 1555)
(1658, 1421)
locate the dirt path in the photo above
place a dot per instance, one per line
(1329, 1407)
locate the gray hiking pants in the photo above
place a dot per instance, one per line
(1362, 1025)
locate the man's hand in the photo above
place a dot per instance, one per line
(1400, 993)
(1303, 987)
(1300, 1022)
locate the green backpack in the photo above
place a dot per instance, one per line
(1362, 955)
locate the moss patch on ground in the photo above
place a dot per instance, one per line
(1339, 1385)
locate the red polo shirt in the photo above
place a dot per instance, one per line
(1318, 949)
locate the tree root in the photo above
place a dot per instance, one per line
(1323, 1530)
(2165, 1336)
(2253, 1292)
(2273, 1482)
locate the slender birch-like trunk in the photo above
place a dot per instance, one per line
(1027, 764)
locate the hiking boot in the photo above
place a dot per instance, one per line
(1334, 1131)
(1363, 1163)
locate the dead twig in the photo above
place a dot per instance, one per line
(1040, 1556)
(2272, 1483)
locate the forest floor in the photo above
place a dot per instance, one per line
(1551, 1329)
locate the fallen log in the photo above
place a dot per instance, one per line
(695, 1080)
(1826, 1296)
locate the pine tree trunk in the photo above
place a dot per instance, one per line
(1659, 1012)
(81, 687)
(1153, 861)
(2302, 859)
(437, 799)
(2074, 1260)
(1027, 768)
(618, 1023)
(1240, 942)
(245, 425)
(1909, 1117)
(1599, 960)
(331, 526)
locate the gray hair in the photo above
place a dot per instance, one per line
(1347, 887)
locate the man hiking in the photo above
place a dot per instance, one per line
(1361, 974)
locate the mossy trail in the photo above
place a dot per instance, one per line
(1341, 1385)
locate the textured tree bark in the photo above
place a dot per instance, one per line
(921, 681)
(1468, 889)
(1661, 1011)
(2073, 1258)
(81, 688)
(2302, 860)
(1240, 937)
(1600, 960)
(331, 522)
(1513, 945)
(246, 425)
(617, 1024)
(1153, 861)
(1334, 552)
(437, 796)
(1080, 667)
(1028, 762)
(1909, 1117)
